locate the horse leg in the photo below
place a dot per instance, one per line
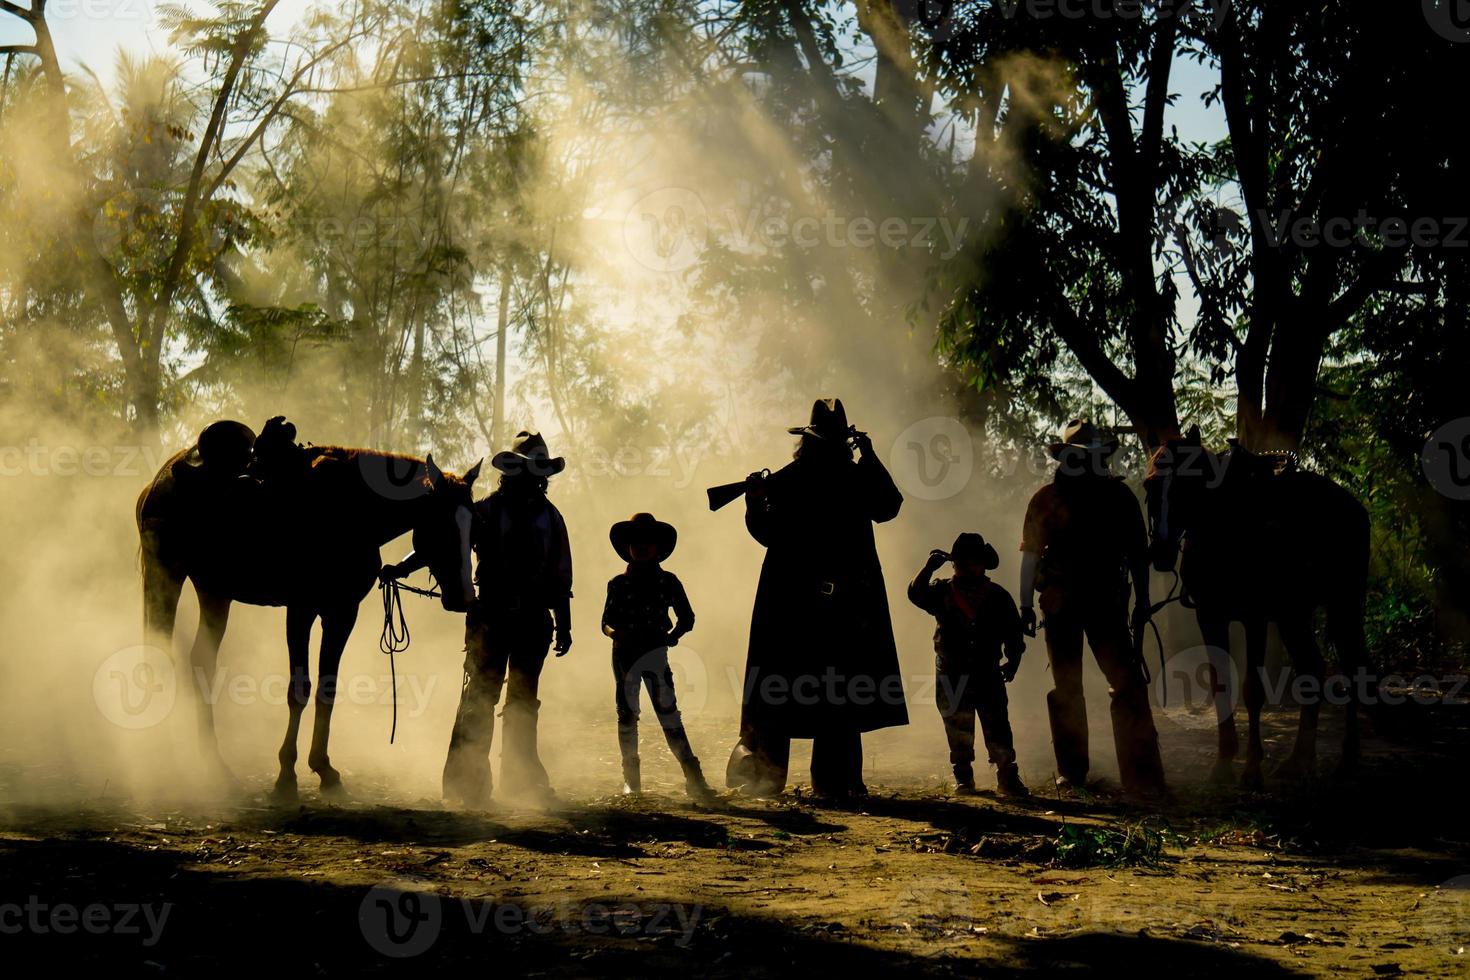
(1216, 633)
(298, 645)
(1301, 642)
(214, 615)
(1255, 698)
(162, 587)
(336, 628)
(1345, 630)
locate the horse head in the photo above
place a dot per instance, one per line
(1178, 473)
(441, 534)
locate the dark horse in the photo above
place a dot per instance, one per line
(306, 538)
(1263, 543)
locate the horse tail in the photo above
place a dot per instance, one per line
(162, 580)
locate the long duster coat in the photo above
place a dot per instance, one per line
(822, 657)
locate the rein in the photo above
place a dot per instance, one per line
(394, 638)
(1176, 594)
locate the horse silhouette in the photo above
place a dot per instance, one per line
(1261, 544)
(306, 538)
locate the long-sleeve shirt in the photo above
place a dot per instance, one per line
(638, 603)
(524, 557)
(976, 620)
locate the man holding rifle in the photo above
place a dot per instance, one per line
(1083, 538)
(822, 662)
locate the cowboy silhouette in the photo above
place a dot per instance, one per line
(523, 576)
(1083, 538)
(822, 662)
(636, 617)
(977, 623)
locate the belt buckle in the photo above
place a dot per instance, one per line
(826, 588)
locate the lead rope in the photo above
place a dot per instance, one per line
(1153, 611)
(395, 639)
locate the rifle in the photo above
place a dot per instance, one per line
(727, 493)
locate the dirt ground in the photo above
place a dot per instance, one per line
(1359, 877)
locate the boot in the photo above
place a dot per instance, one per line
(694, 782)
(467, 780)
(521, 771)
(1008, 781)
(632, 777)
(628, 749)
(1140, 767)
(964, 779)
(1069, 737)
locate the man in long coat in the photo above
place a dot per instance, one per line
(822, 662)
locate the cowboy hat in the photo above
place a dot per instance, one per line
(1082, 434)
(528, 454)
(829, 421)
(972, 547)
(643, 527)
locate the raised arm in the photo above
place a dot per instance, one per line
(883, 498)
(921, 589)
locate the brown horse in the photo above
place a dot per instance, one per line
(1263, 543)
(307, 539)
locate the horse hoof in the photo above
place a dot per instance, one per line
(332, 788)
(285, 792)
(1223, 774)
(1295, 769)
(1252, 779)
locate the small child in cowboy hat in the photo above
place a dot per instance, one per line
(636, 617)
(977, 623)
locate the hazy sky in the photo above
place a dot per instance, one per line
(90, 32)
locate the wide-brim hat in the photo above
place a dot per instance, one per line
(1083, 435)
(643, 527)
(829, 421)
(528, 454)
(972, 547)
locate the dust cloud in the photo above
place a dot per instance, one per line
(708, 374)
